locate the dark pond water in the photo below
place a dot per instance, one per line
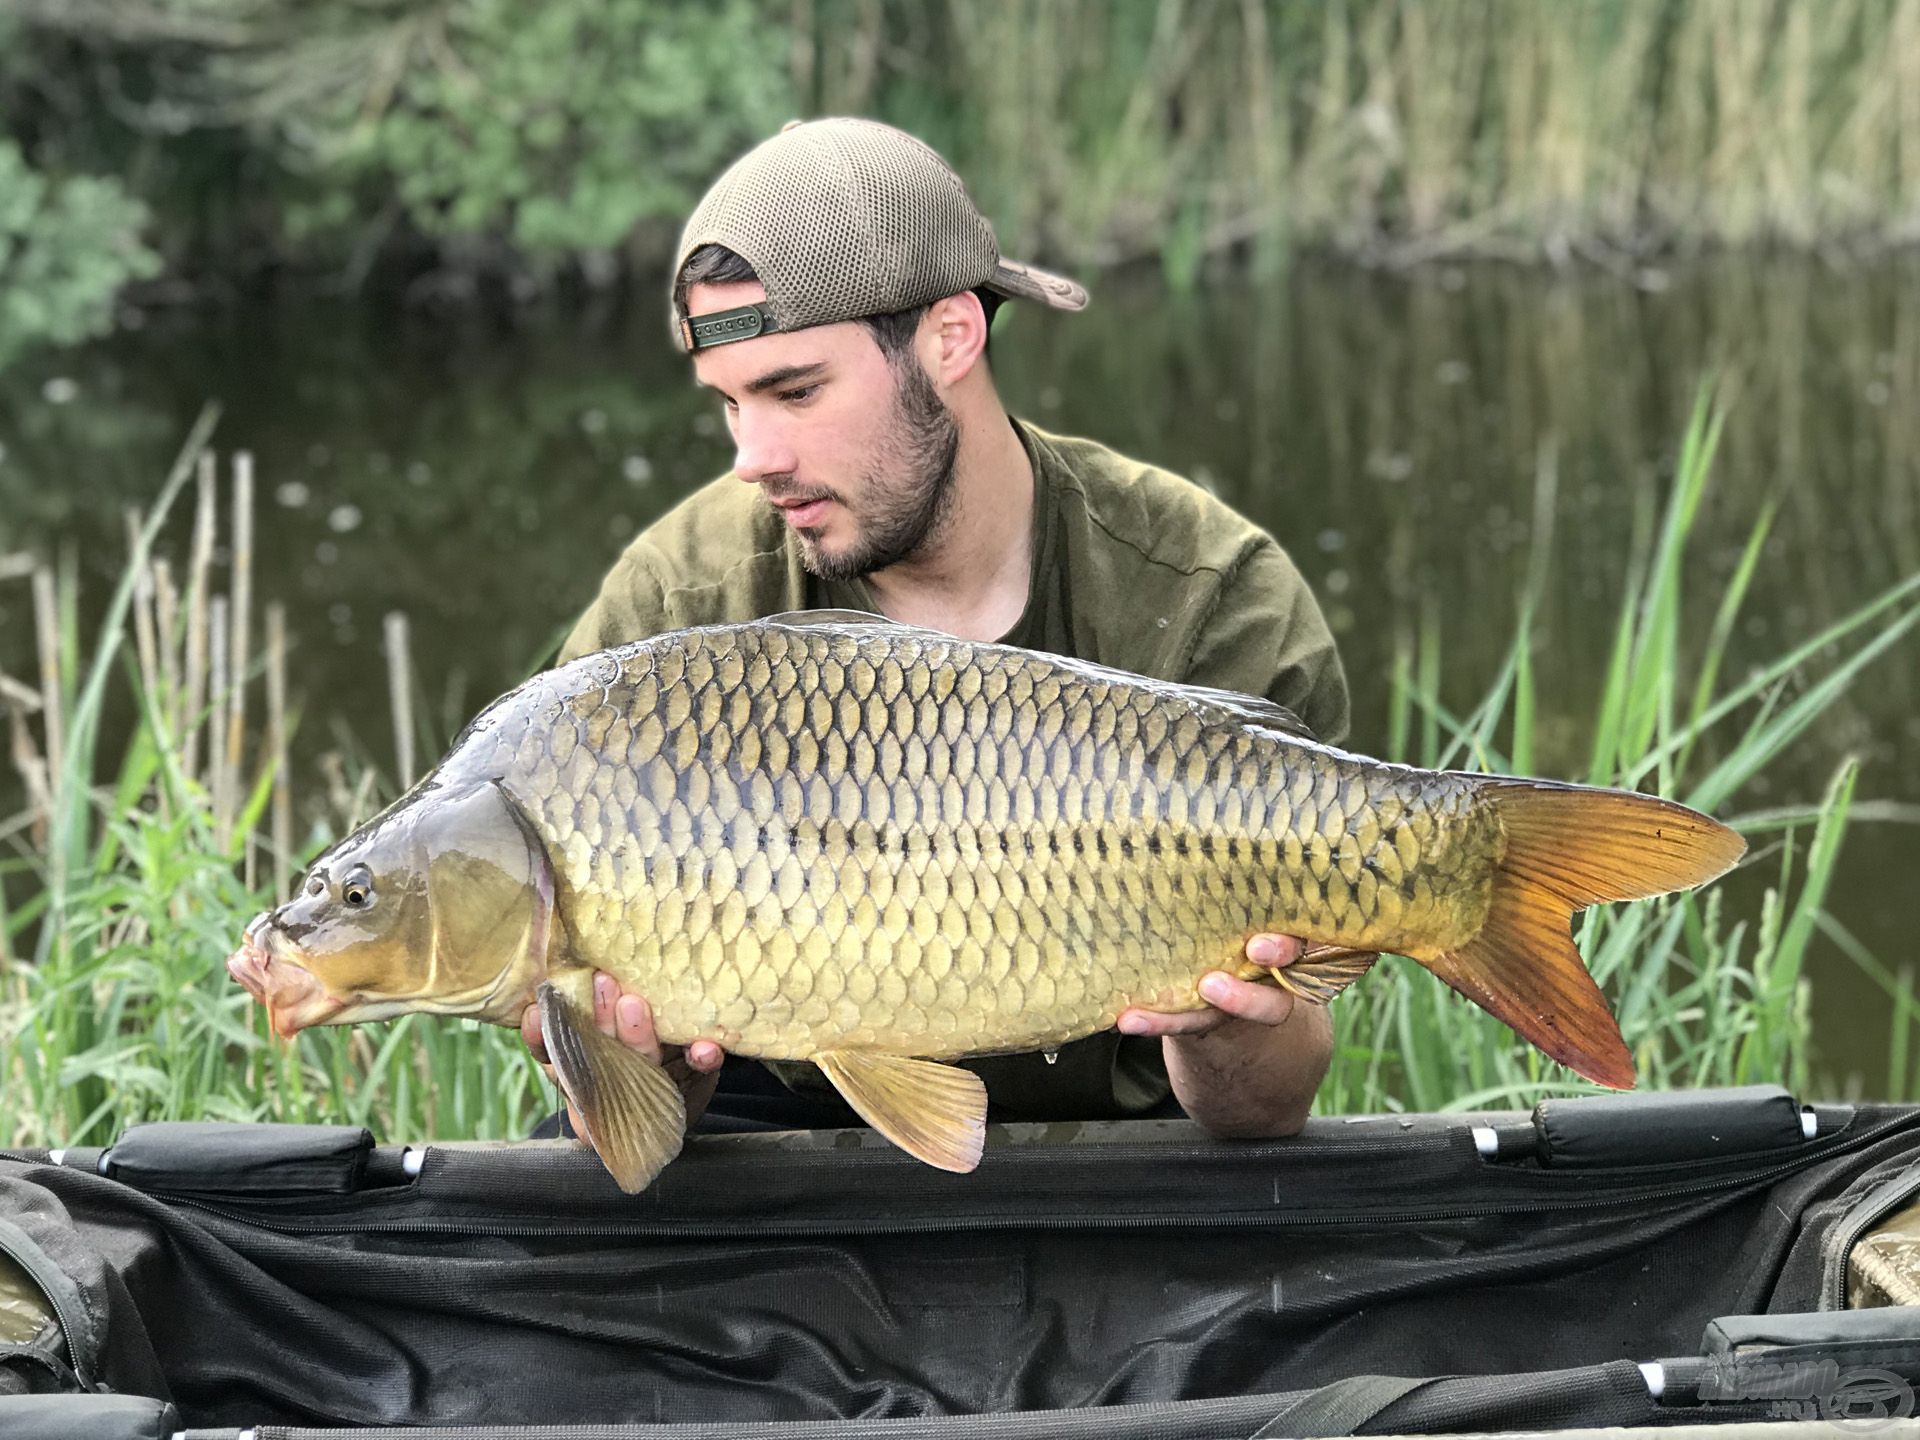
(1391, 432)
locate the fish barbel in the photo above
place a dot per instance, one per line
(832, 838)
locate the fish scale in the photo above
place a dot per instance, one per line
(863, 793)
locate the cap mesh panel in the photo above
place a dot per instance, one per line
(845, 218)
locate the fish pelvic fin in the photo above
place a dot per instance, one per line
(633, 1113)
(934, 1112)
(1568, 847)
(1321, 972)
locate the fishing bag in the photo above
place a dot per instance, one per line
(1656, 1260)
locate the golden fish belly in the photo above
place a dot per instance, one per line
(792, 841)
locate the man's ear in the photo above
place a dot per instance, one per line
(958, 328)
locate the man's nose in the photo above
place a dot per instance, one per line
(759, 449)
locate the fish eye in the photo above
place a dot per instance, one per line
(357, 892)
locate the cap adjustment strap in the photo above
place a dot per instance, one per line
(723, 327)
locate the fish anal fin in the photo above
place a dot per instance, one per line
(1522, 967)
(934, 1112)
(1321, 972)
(632, 1111)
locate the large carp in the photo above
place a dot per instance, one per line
(828, 837)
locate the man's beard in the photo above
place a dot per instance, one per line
(908, 493)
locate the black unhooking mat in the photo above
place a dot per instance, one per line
(1386, 1274)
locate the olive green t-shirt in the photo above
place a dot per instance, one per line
(1133, 567)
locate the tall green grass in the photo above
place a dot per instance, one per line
(139, 875)
(1704, 995)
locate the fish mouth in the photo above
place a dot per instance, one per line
(268, 965)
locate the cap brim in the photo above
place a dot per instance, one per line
(1029, 282)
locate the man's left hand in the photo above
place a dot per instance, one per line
(1227, 998)
(1249, 1064)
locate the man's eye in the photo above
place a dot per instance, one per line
(798, 394)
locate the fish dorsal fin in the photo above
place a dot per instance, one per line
(838, 619)
(936, 1113)
(1250, 709)
(633, 1113)
(833, 619)
(1244, 709)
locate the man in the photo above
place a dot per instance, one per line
(835, 289)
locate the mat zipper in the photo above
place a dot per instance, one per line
(37, 1266)
(1873, 1209)
(693, 1229)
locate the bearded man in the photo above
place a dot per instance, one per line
(835, 289)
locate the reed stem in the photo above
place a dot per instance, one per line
(146, 642)
(46, 630)
(277, 740)
(217, 778)
(240, 628)
(166, 605)
(400, 689)
(199, 567)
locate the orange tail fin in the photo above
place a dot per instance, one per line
(1569, 846)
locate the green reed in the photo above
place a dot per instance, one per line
(1596, 129)
(1706, 993)
(139, 879)
(138, 876)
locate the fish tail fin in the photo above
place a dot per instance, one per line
(1568, 847)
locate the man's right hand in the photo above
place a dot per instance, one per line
(629, 1019)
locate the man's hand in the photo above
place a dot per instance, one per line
(1247, 1066)
(628, 1018)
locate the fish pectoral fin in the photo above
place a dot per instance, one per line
(936, 1113)
(1321, 972)
(633, 1113)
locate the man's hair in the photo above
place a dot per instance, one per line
(893, 333)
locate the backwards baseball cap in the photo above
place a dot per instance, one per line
(843, 219)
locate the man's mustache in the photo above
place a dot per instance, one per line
(778, 494)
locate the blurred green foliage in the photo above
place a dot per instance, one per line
(66, 248)
(428, 147)
(556, 129)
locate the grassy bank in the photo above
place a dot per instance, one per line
(115, 1005)
(1403, 131)
(138, 863)
(1708, 990)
